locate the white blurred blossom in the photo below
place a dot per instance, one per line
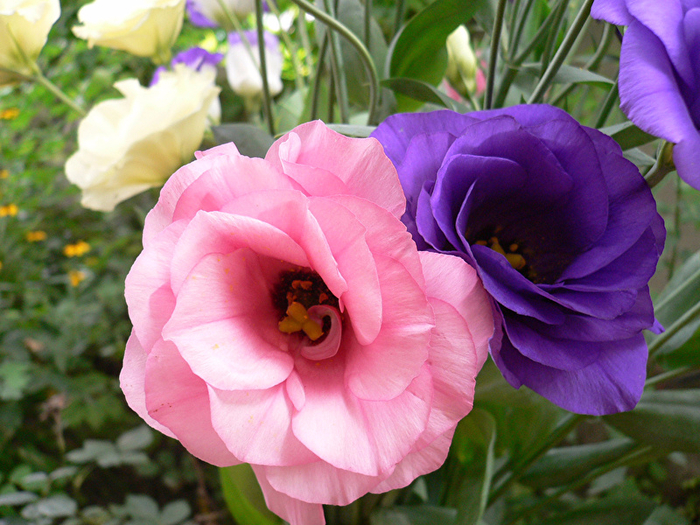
(243, 71)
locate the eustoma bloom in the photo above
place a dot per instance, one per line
(134, 143)
(243, 70)
(563, 231)
(660, 72)
(283, 317)
(146, 28)
(24, 27)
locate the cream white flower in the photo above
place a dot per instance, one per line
(24, 27)
(243, 73)
(146, 28)
(212, 10)
(461, 61)
(131, 144)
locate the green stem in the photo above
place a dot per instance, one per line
(368, 23)
(676, 327)
(398, 20)
(552, 35)
(519, 29)
(516, 468)
(315, 94)
(337, 69)
(605, 109)
(561, 53)
(493, 55)
(53, 88)
(267, 99)
(690, 281)
(299, 76)
(357, 44)
(672, 374)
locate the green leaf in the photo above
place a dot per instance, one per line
(418, 515)
(561, 466)
(14, 377)
(523, 418)
(419, 90)
(680, 294)
(243, 496)
(250, 140)
(627, 135)
(175, 512)
(669, 419)
(609, 511)
(54, 507)
(351, 130)
(473, 447)
(136, 439)
(571, 75)
(17, 498)
(418, 50)
(666, 516)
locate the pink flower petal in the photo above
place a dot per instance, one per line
(346, 237)
(359, 163)
(383, 369)
(294, 511)
(216, 232)
(319, 482)
(228, 149)
(147, 291)
(422, 461)
(256, 426)
(365, 437)
(469, 298)
(178, 399)
(132, 380)
(225, 325)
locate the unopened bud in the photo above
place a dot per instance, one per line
(461, 62)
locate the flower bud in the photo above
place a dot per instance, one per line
(461, 62)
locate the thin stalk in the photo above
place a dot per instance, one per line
(686, 284)
(368, 24)
(357, 44)
(317, 79)
(305, 41)
(645, 452)
(299, 76)
(53, 88)
(337, 69)
(561, 53)
(493, 55)
(518, 33)
(235, 25)
(267, 99)
(592, 63)
(400, 11)
(516, 468)
(676, 327)
(607, 106)
(511, 25)
(676, 229)
(552, 35)
(663, 165)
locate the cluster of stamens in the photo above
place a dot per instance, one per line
(515, 259)
(296, 292)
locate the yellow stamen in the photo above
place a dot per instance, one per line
(298, 320)
(516, 260)
(496, 246)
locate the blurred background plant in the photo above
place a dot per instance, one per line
(72, 452)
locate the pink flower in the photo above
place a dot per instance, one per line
(284, 318)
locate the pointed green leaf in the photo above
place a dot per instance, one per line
(250, 140)
(243, 496)
(627, 135)
(419, 90)
(668, 419)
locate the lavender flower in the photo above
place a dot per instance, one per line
(562, 230)
(660, 73)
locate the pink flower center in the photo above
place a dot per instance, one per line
(308, 307)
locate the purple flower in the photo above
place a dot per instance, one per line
(562, 230)
(195, 58)
(660, 72)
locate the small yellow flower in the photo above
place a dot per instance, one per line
(36, 236)
(76, 250)
(4, 174)
(76, 277)
(9, 114)
(9, 210)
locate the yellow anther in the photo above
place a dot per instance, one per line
(513, 247)
(496, 246)
(298, 320)
(481, 243)
(516, 260)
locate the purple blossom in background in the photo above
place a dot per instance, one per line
(660, 72)
(209, 13)
(196, 17)
(562, 230)
(195, 58)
